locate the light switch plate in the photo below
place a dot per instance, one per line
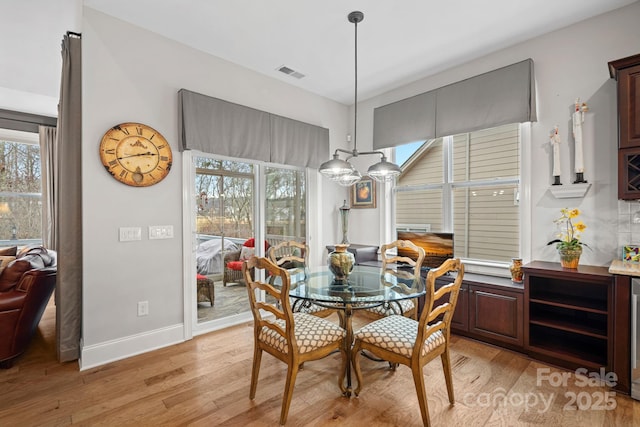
(129, 234)
(160, 232)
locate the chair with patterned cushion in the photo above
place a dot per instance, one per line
(293, 338)
(401, 340)
(293, 256)
(406, 307)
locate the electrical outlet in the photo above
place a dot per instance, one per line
(143, 308)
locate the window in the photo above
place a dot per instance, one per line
(20, 188)
(285, 204)
(467, 184)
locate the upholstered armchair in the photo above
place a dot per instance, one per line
(26, 285)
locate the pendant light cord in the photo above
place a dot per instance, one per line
(355, 105)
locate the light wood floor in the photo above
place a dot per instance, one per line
(205, 382)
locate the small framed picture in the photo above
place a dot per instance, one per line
(363, 194)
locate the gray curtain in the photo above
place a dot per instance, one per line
(217, 126)
(68, 203)
(498, 97)
(48, 159)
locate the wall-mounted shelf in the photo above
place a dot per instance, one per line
(569, 191)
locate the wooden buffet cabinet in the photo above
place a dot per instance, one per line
(576, 318)
(626, 71)
(568, 318)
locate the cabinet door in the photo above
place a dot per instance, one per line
(629, 106)
(629, 173)
(496, 314)
(460, 319)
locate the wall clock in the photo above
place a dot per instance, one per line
(135, 154)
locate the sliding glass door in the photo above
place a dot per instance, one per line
(285, 210)
(230, 208)
(225, 202)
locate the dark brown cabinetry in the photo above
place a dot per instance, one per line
(570, 318)
(489, 309)
(626, 71)
(629, 173)
(496, 314)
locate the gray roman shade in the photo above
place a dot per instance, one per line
(412, 119)
(501, 96)
(297, 143)
(505, 95)
(215, 126)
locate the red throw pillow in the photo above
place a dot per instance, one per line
(235, 265)
(252, 243)
(200, 277)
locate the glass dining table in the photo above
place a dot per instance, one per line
(366, 287)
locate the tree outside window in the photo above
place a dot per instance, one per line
(20, 192)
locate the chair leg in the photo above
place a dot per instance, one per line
(418, 380)
(255, 371)
(446, 367)
(292, 372)
(355, 362)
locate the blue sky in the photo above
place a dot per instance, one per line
(403, 152)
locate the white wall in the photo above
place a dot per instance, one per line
(130, 74)
(569, 63)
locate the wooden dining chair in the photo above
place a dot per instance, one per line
(407, 307)
(293, 256)
(293, 338)
(401, 340)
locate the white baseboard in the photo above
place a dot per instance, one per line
(122, 348)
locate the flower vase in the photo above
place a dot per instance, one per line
(516, 270)
(341, 263)
(570, 257)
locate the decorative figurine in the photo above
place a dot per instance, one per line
(554, 140)
(578, 120)
(344, 215)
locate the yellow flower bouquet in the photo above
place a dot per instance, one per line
(568, 242)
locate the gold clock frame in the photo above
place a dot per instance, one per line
(136, 154)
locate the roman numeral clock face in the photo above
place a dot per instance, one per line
(135, 154)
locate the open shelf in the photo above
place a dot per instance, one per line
(575, 348)
(569, 320)
(567, 314)
(569, 191)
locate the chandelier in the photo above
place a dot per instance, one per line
(341, 171)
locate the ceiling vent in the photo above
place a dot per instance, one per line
(288, 71)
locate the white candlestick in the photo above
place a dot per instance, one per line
(578, 119)
(555, 142)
